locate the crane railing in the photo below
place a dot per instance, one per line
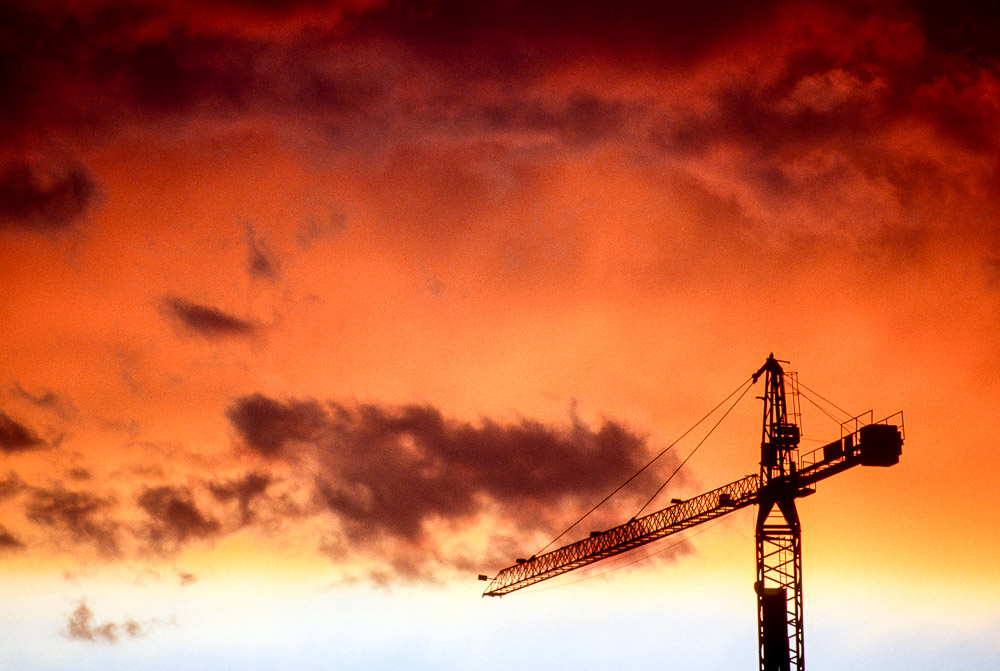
(632, 534)
(853, 449)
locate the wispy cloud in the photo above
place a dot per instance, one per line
(262, 262)
(47, 399)
(174, 518)
(9, 542)
(208, 321)
(83, 626)
(43, 198)
(83, 516)
(16, 437)
(243, 491)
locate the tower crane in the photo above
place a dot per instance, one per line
(784, 476)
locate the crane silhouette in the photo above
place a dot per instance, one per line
(784, 476)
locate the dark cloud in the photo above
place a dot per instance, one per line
(966, 27)
(84, 516)
(79, 474)
(345, 78)
(275, 6)
(582, 119)
(44, 399)
(96, 70)
(321, 227)
(47, 400)
(817, 137)
(244, 491)
(511, 39)
(751, 116)
(262, 263)
(8, 541)
(117, 64)
(34, 197)
(175, 74)
(126, 63)
(16, 437)
(388, 472)
(174, 518)
(964, 107)
(208, 321)
(91, 69)
(11, 485)
(82, 626)
(267, 425)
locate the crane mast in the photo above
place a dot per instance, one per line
(783, 477)
(778, 532)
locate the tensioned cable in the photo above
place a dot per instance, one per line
(652, 461)
(702, 442)
(821, 408)
(811, 391)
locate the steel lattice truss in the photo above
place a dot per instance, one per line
(779, 594)
(630, 535)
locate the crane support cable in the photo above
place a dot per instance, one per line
(820, 397)
(628, 536)
(821, 408)
(648, 464)
(702, 442)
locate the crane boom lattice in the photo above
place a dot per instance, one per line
(628, 536)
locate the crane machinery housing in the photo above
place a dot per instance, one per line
(784, 476)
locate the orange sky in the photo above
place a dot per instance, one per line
(383, 294)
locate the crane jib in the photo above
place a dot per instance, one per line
(628, 536)
(876, 444)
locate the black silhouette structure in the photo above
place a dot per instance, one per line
(784, 476)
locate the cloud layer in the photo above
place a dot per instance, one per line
(800, 114)
(402, 490)
(399, 473)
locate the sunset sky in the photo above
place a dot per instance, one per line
(313, 311)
